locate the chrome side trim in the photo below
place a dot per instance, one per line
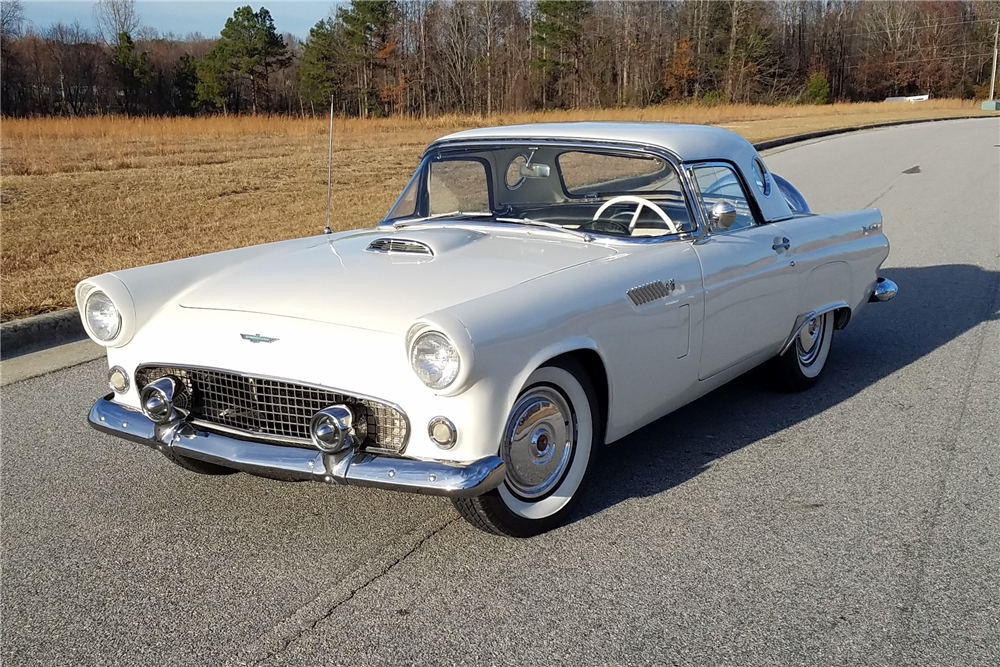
(439, 478)
(802, 320)
(885, 290)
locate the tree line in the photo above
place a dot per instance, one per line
(385, 57)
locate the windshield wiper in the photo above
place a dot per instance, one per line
(450, 214)
(548, 225)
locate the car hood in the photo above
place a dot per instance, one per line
(340, 280)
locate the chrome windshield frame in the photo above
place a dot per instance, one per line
(655, 151)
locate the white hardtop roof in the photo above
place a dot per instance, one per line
(688, 142)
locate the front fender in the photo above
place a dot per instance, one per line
(549, 352)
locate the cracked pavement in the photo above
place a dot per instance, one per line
(855, 524)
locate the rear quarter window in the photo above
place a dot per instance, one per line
(760, 177)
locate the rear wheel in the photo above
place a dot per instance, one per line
(547, 444)
(800, 366)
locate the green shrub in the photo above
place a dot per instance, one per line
(818, 89)
(712, 98)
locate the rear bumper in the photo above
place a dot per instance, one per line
(296, 464)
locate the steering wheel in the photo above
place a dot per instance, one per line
(640, 203)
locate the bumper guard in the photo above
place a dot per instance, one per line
(294, 464)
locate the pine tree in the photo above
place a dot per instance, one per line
(130, 68)
(214, 88)
(818, 88)
(368, 26)
(318, 67)
(559, 31)
(185, 84)
(250, 47)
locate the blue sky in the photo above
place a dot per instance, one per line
(182, 18)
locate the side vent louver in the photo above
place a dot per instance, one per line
(400, 246)
(650, 292)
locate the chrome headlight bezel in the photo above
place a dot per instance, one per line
(115, 290)
(448, 370)
(109, 309)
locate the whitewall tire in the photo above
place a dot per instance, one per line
(799, 368)
(548, 441)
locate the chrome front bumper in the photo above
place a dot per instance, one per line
(295, 464)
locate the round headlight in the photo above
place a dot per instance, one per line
(435, 360)
(102, 316)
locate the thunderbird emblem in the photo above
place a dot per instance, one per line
(257, 338)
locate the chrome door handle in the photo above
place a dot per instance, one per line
(784, 245)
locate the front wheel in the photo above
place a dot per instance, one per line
(800, 366)
(547, 443)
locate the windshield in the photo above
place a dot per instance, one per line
(573, 187)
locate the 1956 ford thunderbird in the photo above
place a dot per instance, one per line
(535, 292)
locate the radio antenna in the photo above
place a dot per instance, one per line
(329, 173)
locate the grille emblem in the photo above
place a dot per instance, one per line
(257, 338)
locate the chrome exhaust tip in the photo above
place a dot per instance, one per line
(885, 290)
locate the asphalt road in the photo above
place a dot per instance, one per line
(856, 524)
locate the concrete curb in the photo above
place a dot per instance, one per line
(819, 134)
(40, 332)
(64, 326)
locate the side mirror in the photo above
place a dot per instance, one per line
(534, 170)
(722, 216)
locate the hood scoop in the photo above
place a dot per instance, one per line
(400, 246)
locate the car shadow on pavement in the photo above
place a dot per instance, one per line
(935, 305)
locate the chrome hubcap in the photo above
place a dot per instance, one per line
(538, 442)
(807, 343)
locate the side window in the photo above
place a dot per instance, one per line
(458, 185)
(406, 205)
(717, 183)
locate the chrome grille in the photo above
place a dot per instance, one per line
(400, 245)
(274, 409)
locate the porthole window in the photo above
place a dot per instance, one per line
(513, 179)
(760, 177)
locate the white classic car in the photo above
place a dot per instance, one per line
(536, 291)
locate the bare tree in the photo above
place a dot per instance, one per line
(11, 18)
(502, 56)
(115, 17)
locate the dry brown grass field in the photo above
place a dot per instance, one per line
(81, 196)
